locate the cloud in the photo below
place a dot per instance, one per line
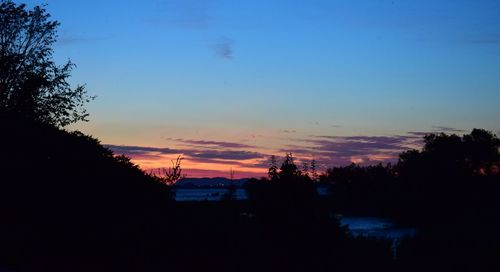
(342, 150)
(216, 144)
(224, 49)
(327, 150)
(361, 143)
(225, 155)
(199, 155)
(141, 150)
(204, 173)
(144, 157)
(419, 133)
(251, 164)
(446, 129)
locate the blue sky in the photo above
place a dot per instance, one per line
(276, 73)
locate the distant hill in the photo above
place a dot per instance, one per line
(209, 182)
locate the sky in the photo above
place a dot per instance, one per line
(228, 83)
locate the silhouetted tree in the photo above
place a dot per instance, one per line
(450, 175)
(288, 168)
(450, 155)
(169, 176)
(314, 171)
(231, 174)
(450, 189)
(368, 190)
(31, 84)
(229, 195)
(287, 196)
(273, 168)
(482, 149)
(305, 168)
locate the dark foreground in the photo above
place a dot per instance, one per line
(225, 236)
(69, 204)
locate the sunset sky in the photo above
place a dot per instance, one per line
(228, 83)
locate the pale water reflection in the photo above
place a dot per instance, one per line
(377, 227)
(206, 194)
(215, 194)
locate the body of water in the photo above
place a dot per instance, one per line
(376, 227)
(206, 194)
(358, 226)
(215, 194)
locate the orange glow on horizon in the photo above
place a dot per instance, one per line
(193, 169)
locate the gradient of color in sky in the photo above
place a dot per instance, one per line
(227, 83)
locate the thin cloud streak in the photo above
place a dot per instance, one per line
(446, 129)
(194, 153)
(204, 173)
(215, 144)
(127, 149)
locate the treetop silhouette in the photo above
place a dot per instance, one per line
(31, 84)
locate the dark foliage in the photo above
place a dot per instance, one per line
(465, 246)
(449, 190)
(31, 84)
(451, 177)
(68, 203)
(370, 190)
(288, 211)
(66, 200)
(288, 195)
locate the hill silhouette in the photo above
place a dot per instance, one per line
(63, 195)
